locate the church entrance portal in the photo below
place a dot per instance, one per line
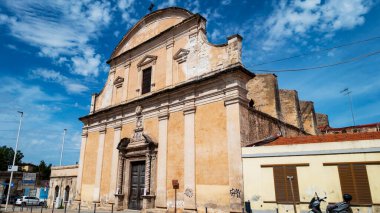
(137, 185)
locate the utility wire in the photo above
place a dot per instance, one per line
(325, 65)
(317, 51)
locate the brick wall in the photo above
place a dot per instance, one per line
(262, 125)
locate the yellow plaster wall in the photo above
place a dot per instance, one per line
(127, 130)
(88, 177)
(259, 183)
(150, 30)
(211, 155)
(175, 155)
(133, 82)
(151, 128)
(373, 172)
(107, 159)
(159, 77)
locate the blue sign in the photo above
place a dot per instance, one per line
(6, 184)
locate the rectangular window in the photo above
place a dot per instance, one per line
(282, 184)
(146, 80)
(354, 181)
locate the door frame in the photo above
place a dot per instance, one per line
(130, 181)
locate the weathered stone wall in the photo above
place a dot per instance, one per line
(309, 121)
(263, 126)
(322, 119)
(62, 178)
(290, 107)
(263, 90)
(176, 55)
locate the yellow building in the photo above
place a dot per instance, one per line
(167, 129)
(329, 165)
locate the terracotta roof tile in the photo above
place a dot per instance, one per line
(325, 138)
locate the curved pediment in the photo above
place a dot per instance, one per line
(149, 26)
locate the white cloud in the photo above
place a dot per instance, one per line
(215, 35)
(116, 33)
(127, 10)
(167, 3)
(70, 85)
(60, 29)
(43, 121)
(226, 2)
(296, 19)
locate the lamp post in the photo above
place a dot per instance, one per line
(63, 143)
(291, 187)
(58, 201)
(14, 160)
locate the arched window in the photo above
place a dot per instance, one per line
(56, 192)
(67, 191)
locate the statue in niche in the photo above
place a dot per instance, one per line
(139, 124)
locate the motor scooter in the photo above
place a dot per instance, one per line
(315, 204)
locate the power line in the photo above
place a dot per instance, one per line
(325, 65)
(317, 51)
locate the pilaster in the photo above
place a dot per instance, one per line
(99, 165)
(162, 156)
(235, 98)
(126, 82)
(80, 169)
(169, 62)
(114, 163)
(189, 155)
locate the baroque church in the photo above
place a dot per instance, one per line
(166, 132)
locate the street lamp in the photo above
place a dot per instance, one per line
(290, 178)
(14, 160)
(63, 143)
(58, 201)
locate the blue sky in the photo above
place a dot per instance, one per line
(53, 57)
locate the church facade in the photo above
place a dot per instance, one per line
(166, 130)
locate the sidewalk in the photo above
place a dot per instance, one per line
(37, 209)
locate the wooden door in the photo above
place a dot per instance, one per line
(137, 185)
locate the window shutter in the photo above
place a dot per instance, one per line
(280, 183)
(354, 181)
(146, 80)
(362, 186)
(346, 180)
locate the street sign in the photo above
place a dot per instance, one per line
(12, 168)
(29, 178)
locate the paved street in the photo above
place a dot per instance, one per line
(37, 209)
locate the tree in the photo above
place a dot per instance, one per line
(6, 157)
(44, 170)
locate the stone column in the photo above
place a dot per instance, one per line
(189, 157)
(114, 163)
(162, 157)
(119, 183)
(120, 176)
(99, 165)
(147, 174)
(235, 98)
(126, 82)
(80, 168)
(169, 62)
